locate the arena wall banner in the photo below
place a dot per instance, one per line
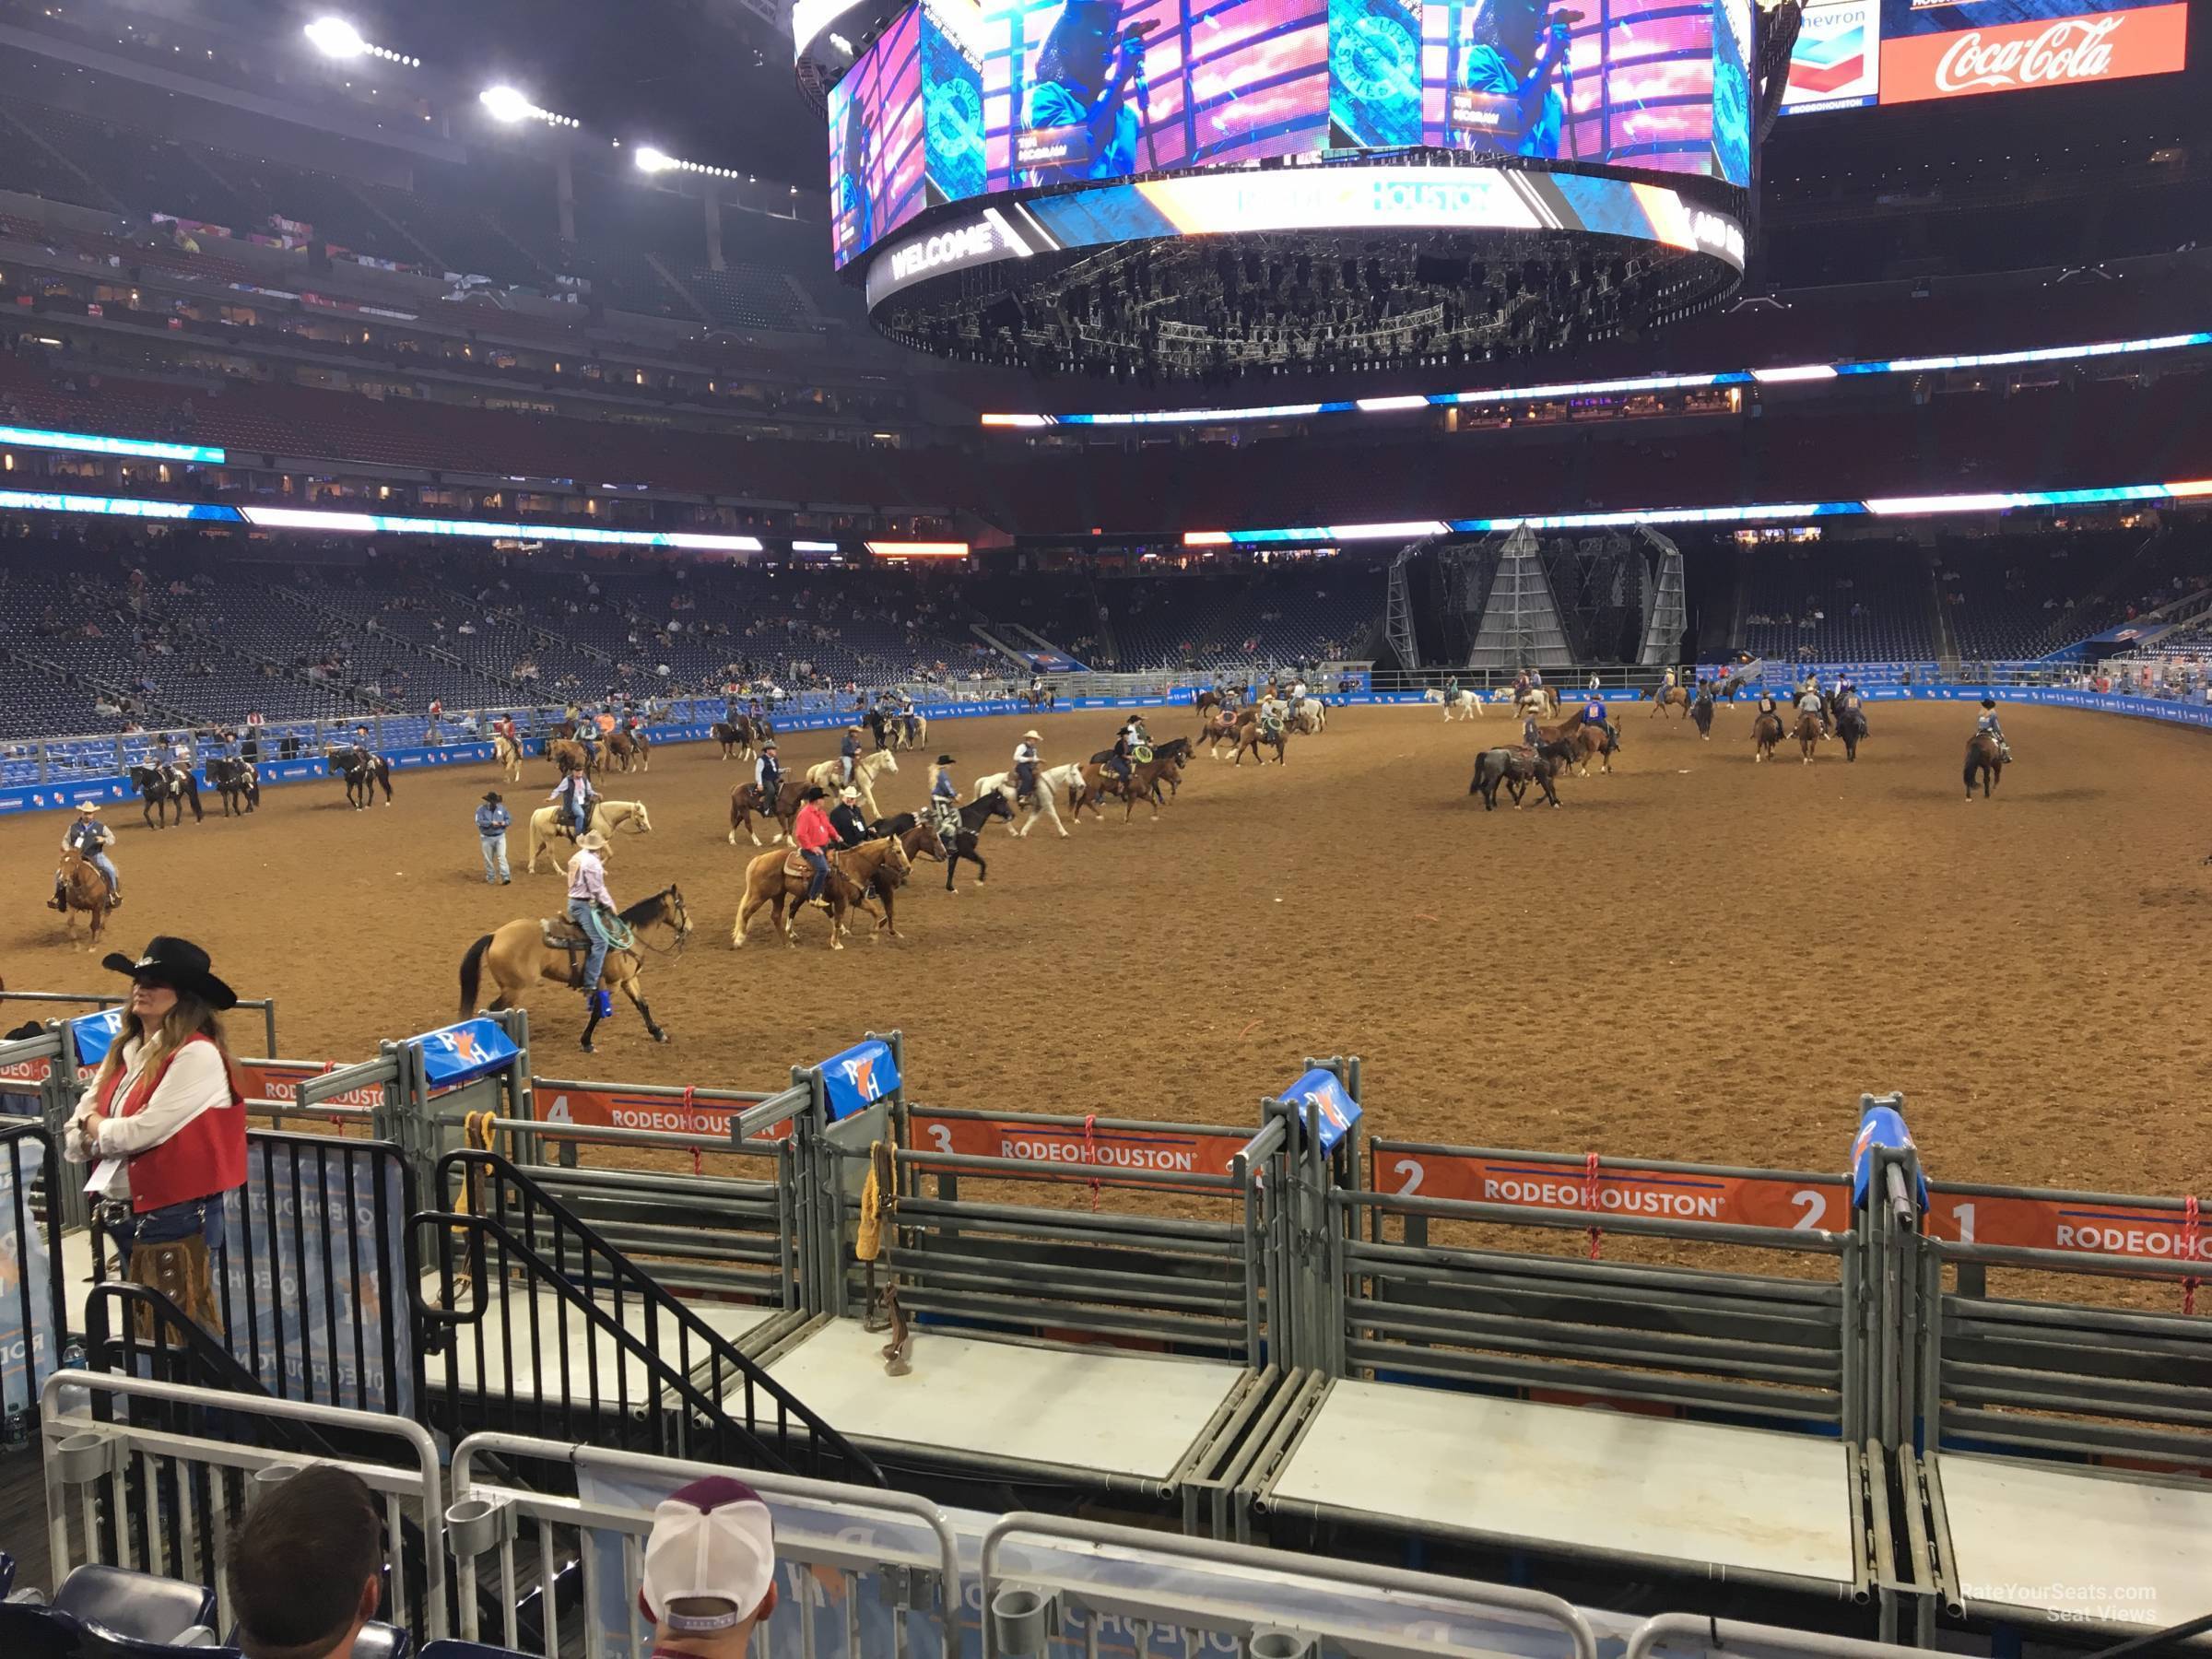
(1742, 1198)
(26, 1357)
(1095, 1151)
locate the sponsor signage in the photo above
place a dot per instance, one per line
(2057, 51)
(1801, 1203)
(274, 1081)
(460, 1053)
(858, 1078)
(1121, 1152)
(1837, 62)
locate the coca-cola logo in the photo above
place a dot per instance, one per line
(2071, 48)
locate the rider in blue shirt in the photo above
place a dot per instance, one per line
(848, 752)
(768, 775)
(1594, 713)
(1989, 723)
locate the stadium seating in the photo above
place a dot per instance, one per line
(1856, 602)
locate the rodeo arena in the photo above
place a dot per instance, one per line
(1350, 830)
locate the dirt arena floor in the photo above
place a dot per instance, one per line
(1697, 958)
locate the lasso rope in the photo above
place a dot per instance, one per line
(1090, 1156)
(1590, 1201)
(2189, 1246)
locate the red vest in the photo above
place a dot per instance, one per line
(205, 1159)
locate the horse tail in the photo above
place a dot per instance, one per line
(472, 973)
(1968, 779)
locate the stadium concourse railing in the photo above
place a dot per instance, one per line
(539, 1545)
(1900, 1370)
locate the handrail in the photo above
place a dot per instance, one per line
(1719, 1635)
(476, 1168)
(1209, 1551)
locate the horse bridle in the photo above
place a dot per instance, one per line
(683, 928)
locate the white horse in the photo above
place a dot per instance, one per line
(550, 824)
(1461, 704)
(1310, 714)
(830, 775)
(1049, 782)
(508, 752)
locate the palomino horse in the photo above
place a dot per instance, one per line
(769, 879)
(1516, 769)
(237, 782)
(1850, 726)
(630, 748)
(1702, 712)
(1461, 704)
(508, 752)
(1308, 715)
(161, 787)
(907, 731)
(83, 888)
(364, 773)
(830, 775)
(1672, 697)
(1809, 735)
(1986, 759)
(517, 956)
(1766, 732)
(550, 824)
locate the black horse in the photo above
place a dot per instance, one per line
(238, 783)
(363, 773)
(160, 787)
(974, 817)
(1701, 711)
(1177, 749)
(1850, 725)
(1516, 769)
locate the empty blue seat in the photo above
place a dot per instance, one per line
(138, 1607)
(35, 1630)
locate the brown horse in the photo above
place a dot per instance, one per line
(1810, 730)
(630, 749)
(1584, 740)
(1209, 699)
(1219, 728)
(570, 755)
(517, 956)
(1672, 697)
(1145, 780)
(746, 800)
(1253, 732)
(1766, 732)
(83, 888)
(735, 737)
(770, 880)
(1986, 759)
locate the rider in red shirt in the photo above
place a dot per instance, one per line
(812, 833)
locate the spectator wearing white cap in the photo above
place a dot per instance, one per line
(709, 1571)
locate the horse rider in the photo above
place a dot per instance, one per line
(847, 753)
(1521, 685)
(944, 799)
(844, 817)
(813, 834)
(1531, 739)
(1988, 723)
(1767, 705)
(1809, 702)
(1118, 760)
(1026, 760)
(1451, 689)
(1848, 700)
(1595, 714)
(878, 726)
(91, 838)
(768, 775)
(574, 794)
(589, 906)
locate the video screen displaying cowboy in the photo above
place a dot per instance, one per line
(1625, 83)
(1086, 90)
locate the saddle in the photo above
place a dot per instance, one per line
(560, 934)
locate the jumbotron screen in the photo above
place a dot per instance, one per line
(1854, 54)
(956, 100)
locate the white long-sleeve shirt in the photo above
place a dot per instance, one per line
(196, 1081)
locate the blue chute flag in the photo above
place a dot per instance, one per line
(858, 1078)
(461, 1053)
(1322, 1093)
(94, 1033)
(1880, 1125)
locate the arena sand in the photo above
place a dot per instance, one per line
(1697, 958)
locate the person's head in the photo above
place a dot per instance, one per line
(1989, 702)
(88, 812)
(307, 1566)
(710, 1567)
(1032, 737)
(849, 796)
(591, 840)
(814, 792)
(491, 798)
(769, 747)
(1080, 47)
(174, 998)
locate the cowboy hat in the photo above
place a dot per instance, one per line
(848, 794)
(87, 805)
(179, 964)
(591, 840)
(1034, 736)
(946, 760)
(491, 798)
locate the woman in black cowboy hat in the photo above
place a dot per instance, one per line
(164, 1126)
